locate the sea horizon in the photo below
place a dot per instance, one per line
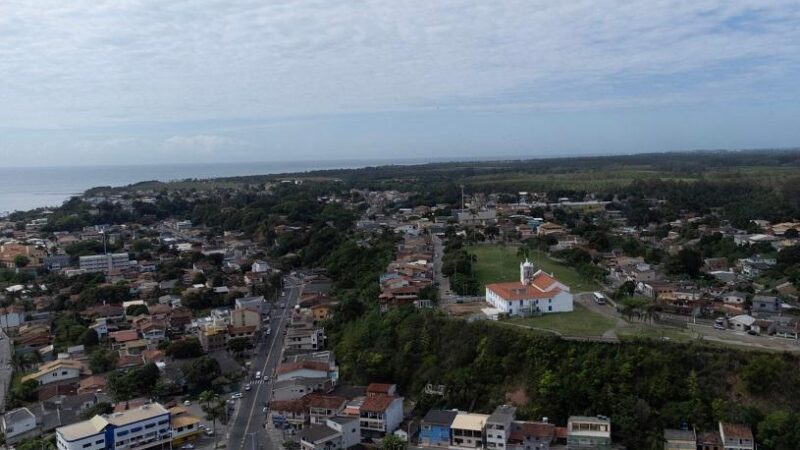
(24, 188)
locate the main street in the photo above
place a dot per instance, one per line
(247, 429)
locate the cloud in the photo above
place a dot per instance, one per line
(87, 63)
(201, 145)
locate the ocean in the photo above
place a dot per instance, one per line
(24, 188)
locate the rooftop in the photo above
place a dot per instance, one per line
(470, 421)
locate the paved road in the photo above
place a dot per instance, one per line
(247, 429)
(6, 365)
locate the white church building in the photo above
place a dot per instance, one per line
(537, 292)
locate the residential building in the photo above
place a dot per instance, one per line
(147, 426)
(58, 371)
(348, 427)
(185, 427)
(257, 302)
(588, 433)
(301, 369)
(531, 436)
(435, 429)
(294, 411)
(246, 317)
(213, 337)
(380, 416)
(19, 424)
(321, 407)
(259, 266)
(536, 293)
(304, 339)
(736, 436)
(320, 437)
(498, 426)
(468, 430)
(680, 440)
(709, 441)
(105, 263)
(12, 317)
(766, 304)
(295, 388)
(381, 389)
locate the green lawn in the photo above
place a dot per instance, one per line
(580, 322)
(501, 263)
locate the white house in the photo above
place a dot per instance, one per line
(380, 416)
(57, 371)
(348, 427)
(259, 267)
(19, 424)
(536, 292)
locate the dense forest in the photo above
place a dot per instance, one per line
(644, 386)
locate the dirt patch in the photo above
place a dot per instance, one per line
(464, 309)
(518, 397)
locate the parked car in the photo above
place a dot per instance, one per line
(187, 402)
(247, 387)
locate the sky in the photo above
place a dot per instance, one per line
(153, 81)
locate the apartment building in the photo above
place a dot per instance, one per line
(144, 427)
(105, 263)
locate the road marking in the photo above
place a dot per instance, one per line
(263, 370)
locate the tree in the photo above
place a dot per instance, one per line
(201, 373)
(779, 430)
(185, 348)
(133, 383)
(687, 261)
(136, 310)
(89, 338)
(214, 407)
(763, 373)
(26, 391)
(21, 261)
(238, 345)
(97, 409)
(102, 360)
(791, 233)
(392, 442)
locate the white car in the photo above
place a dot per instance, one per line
(266, 377)
(187, 402)
(247, 387)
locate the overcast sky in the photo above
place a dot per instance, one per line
(121, 82)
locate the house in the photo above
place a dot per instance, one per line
(295, 388)
(259, 266)
(381, 389)
(498, 426)
(734, 298)
(185, 427)
(380, 416)
(709, 440)
(589, 433)
(736, 437)
(435, 428)
(321, 407)
(58, 371)
(549, 228)
(12, 317)
(468, 430)
(536, 293)
(295, 412)
(742, 322)
(531, 435)
(147, 426)
(19, 424)
(348, 427)
(94, 383)
(120, 338)
(246, 317)
(680, 440)
(320, 437)
(766, 304)
(301, 369)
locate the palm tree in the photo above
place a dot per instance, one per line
(213, 408)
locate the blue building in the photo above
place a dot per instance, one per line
(435, 428)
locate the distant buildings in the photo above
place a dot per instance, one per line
(105, 263)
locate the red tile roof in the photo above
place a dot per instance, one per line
(378, 404)
(310, 365)
(124, 335)
(296, 406)
(736, 431)
(325, 401)
(379, 388)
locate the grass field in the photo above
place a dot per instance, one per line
(501, 263)
(580, 322)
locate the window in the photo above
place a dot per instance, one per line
(99, 441)
(87, 445)
(122, 433)
(163, 422)
(150, 425)
(63, 372)
(134, 430)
